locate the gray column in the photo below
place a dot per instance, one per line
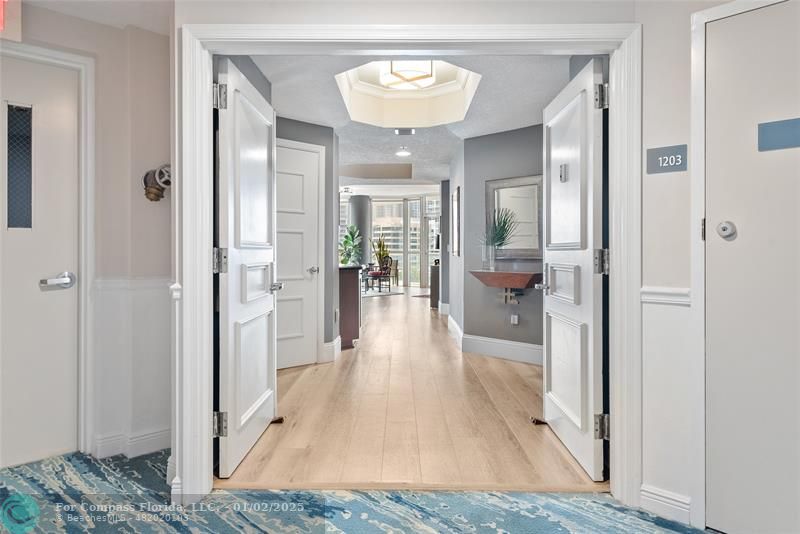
(361, 217)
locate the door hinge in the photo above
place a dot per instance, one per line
(219, 425)
(601, 261)
(601, 96)
(220, 260)
(219, 93)
(602, 426)
(703, 229)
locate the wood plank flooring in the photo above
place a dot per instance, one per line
(408, 409)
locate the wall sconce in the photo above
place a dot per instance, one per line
(156, 182)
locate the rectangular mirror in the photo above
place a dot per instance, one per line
(523, 196)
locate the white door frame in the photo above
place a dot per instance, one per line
(86, 213)
(190, 471)
(697, 168)
(322, 355)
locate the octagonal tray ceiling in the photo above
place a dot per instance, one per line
(380, 93)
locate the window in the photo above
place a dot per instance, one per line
(344, 215)
(387, 220)
(19, 196)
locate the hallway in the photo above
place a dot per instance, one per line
(406, 409)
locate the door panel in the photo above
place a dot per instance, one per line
(39, 239)
(573, 293)
(299, 327)
(246, 228)
(752, 277)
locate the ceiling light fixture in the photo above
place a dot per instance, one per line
(407, 74)
(404, 131)
(403, 152)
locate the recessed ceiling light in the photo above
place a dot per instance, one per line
(404, 131)
(403, 152)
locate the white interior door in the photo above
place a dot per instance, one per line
(300, 169)
(573, 297)
(39, 214)
(753, 275)
(246, 230)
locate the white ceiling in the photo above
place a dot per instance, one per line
(153, 15)
(512, 94)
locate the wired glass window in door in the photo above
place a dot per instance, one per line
(19, 150)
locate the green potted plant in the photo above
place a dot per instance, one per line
(350, 247)
(379, 248)
(500, 228)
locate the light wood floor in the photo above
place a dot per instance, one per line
(407, 409)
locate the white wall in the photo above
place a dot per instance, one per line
(132, 234)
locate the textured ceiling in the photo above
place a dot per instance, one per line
(512, 94)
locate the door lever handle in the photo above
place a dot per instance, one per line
(313, 270)
(276, 286)
(543, 287)
(64, 280)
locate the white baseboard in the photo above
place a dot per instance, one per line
(501, 348)
(454, 330)
(331, 351)
(133, 445)
(105, 446)
(172, 470)
(147, 442)
(666, 503)
(444, 308)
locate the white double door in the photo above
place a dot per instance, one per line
(245, 235)
(301, 169)
(39, 188)
(753, 271)
(573, 278)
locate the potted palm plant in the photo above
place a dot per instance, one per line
(350, 246)
(500, 228)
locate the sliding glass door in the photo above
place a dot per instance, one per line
(414, 242)
(388, 221)
(410, 227)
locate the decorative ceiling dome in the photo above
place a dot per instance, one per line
(408, 93)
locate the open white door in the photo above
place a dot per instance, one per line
(245, 234)
(573, 287)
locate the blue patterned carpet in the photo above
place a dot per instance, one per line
(76, 493)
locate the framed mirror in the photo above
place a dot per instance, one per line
(523, 196)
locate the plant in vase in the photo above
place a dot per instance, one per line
(379, 248)
(500, 228)
(350, 247)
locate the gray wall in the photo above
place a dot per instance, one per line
(576, 63)
(502, 155)
(457, 262)
(253, 74)
(322, 135)
(444, 244)
(361, 216)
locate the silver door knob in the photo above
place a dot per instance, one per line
(64, 280)
(726, 230)
(313, 270)
(542, 287)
